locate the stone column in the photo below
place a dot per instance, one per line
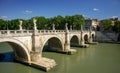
(20, 25)
(82, 38)
(90, 38)
(67, 39)
(36, 52)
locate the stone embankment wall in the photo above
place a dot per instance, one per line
(106, 36)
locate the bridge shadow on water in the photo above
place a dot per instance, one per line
(48, 49)
(7, 57)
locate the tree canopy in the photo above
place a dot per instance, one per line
(44, 23)
(116, 27)
(106, 24)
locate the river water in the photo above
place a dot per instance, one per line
(101, 58)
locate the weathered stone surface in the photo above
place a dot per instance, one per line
(44, 63)
(71, 51)
(28, 44)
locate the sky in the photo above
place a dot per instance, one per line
(26, 9)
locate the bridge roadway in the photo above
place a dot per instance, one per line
(28, 44)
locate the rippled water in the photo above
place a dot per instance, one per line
(101, 58)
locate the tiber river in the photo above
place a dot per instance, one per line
(101, 58)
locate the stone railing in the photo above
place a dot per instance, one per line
(15, 31)
(50, 31)
(4, 33)
(78, 31)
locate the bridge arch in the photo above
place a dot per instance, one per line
(93, 34)
(20, 50)
(54, 44)
(86, 38)
(74, 40)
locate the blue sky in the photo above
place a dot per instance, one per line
(25, 9)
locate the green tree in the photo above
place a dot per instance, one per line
(107, 24)
(44, 23)
(13, 24)
(69, 20)
(3, 24)
(77, 21)
(59, 22)
(50, 22)
(41, 22)
(116, 27)
(27, 24)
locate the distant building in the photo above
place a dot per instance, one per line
(113, 20)
(94, 23)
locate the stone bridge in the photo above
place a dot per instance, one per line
(28, 45)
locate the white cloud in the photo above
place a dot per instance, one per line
(4, 17)
(114, 16)
(95, 9)
(27, 12)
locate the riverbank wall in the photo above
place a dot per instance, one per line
(106, 37)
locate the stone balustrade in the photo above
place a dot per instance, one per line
(4, 33)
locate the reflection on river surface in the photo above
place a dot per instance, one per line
(101, 58)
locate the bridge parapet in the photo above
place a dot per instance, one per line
(85, 31)
(50, 31)
(5, 33)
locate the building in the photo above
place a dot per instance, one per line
(113, 20)
(91, 23)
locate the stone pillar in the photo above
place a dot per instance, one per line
(90, 38)
(67, 39)
(36, 52)
(82, 38)
(34, 22)
(20, 25)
